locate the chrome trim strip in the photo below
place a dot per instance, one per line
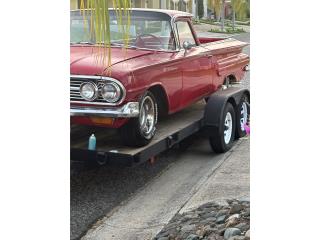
(174, 29)
(125, 111)
(83, 77)
(173, 21)
(164, 11)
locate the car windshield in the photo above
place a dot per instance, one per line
(150, 30)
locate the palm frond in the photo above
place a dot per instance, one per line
(240, 7)
(217, 6)
(96, 11)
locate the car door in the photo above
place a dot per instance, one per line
(195, 64)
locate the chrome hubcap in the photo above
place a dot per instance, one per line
(147, 117)
(243, 116)
(227, 128)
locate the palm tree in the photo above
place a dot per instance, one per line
(223, 7)
(239, 8)
(97, 12)
(218, 10)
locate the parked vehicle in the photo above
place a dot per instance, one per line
(164, 69)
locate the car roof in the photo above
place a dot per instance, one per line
(171, 13)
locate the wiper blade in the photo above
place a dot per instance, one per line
(111, 44)
(87, 43)
(118, 45)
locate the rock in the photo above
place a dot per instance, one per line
(213, 236)
(229, 201)
(237, 215)
(209, 214)
(230, 232)
(189, 216)
(162, 235)
(193, 237)
(210, 220)
(188, 228)
(246, 212)
(236, 208)
(244, 200)
(237, 238)
(208, 230)
(204, 231)
(222, 212)
(208, 205)
(221, 231)
(234, 202)
(163, 238)
(233, 220)
(221, 219)
(247, 235)
(168, 231)
(242, 226)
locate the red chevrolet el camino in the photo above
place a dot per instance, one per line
(164, 69)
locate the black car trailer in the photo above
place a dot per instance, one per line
(207, 117)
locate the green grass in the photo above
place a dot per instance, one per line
(227, 22)
(247, 23)
(228, 30)
(195, 22)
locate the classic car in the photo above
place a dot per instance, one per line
(165, 68)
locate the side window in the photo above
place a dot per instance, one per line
(184, 33)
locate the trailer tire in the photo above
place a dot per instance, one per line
(222, 140)
(137, 132)
(242, 113)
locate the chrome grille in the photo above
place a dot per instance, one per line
(75, 90)
(77, 80)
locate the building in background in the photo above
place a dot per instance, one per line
(181, 5)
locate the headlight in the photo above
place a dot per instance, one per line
(89, 91)
(111, 92)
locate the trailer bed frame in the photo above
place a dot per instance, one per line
(202, 116)
(110, 150)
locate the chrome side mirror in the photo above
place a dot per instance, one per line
(187, 45)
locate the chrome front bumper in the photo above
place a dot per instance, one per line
(129, 110)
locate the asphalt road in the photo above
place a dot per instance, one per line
(95, 192)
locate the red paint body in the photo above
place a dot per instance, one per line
(185, 76)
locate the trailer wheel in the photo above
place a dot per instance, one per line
(243, 112)
(139, 131)
(223, 139)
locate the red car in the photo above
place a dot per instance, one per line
(164, 69)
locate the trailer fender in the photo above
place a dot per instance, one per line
(216, 103)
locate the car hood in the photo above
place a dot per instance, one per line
(88, 60)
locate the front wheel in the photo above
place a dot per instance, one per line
(139, 131)
(222, 140)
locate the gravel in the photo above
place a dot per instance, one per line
(232, 223)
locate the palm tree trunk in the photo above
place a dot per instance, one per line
(222, 15)
(233, 18)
